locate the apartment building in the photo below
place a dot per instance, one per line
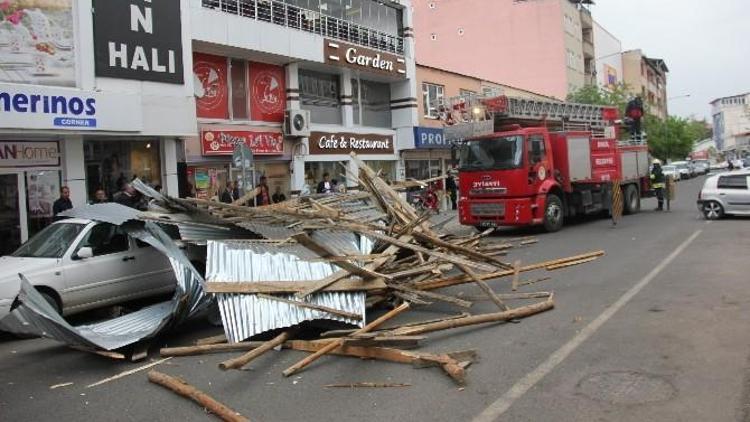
(647, 77)
(731, 122)
(348, 63)
(544, 46)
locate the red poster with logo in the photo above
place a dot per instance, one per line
(222, 142)
(267, 92)
(210, 85)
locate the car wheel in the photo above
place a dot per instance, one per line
(553, 213)
(632, 201)
(51, 300)
(713, 210)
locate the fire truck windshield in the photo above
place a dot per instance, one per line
(505, 152)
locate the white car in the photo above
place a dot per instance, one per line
(684, 168)
(670, 170)
(79, 265)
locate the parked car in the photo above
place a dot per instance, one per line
(670, 170)
(684, 168)
(79, 265)
(702, 166)
(725, 193)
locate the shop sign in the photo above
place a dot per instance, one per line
(222, 142)
(210, 86)
(345, 142)
(365, 59)
(430, 137)
(29, 154)
(267, 92)
(138, 39)
(38, 107)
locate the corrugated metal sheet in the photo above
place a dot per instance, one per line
(110, 212)
(34, 315)
(246, 315)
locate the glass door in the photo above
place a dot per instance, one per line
(13, 225)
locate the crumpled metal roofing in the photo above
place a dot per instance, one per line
(245, 315)
(33, 315)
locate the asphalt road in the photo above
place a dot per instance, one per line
(655, 330)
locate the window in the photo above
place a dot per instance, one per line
(489, 91)
(536, 149)
(466, 92)
(432, 96)
(52, 242)
(732, 182)
(572, 59)
(105, 239)
(372, 103)
(238, 75)
(319, 93)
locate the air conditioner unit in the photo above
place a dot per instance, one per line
(297, 123)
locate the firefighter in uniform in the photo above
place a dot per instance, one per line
(657, 183)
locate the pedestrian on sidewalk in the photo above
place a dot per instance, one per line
(450, 185)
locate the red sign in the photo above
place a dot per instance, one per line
(210, 85)
(222, 142)
(267, 92)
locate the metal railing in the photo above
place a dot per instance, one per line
(290, 16)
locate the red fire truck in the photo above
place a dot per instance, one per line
(529, 162)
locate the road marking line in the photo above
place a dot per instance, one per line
(501, 405)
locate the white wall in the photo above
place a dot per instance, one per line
(607, 49)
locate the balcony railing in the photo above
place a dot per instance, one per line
(290, 16)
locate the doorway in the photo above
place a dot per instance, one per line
(13, 224)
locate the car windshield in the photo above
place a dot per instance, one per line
(504, 152)
(51, 242)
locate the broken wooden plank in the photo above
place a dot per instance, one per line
(338, 342)
(186, 390)
(463, 279)
(516, 313)
(239, 362)
(367, 385)
(209, 348)
(471, 253)
(568, 264)
(324, 252)
(129, 372)
(278, 287)
(436, 296)
(516, 274)
(321, 308)
(485, 287)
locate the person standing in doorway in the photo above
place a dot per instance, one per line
(264, 196)
(63, 202)
(325, 186)
(278, 196)
(450, 186)
(226, 194)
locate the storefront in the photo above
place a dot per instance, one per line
(210, 171)
(431, 155)
(329, 152)
(111, 163)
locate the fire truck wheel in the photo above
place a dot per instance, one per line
(553, 213)
(632, 201)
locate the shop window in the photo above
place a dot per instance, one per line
(319, 93)
(387, 169)
(372, 103)
(42, 190)
(314, 171)
(432, 96)
(422, 169)
(239, 89)
(112, 163)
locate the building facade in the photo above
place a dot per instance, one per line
(647, 77)
(544, 46)
(348, 64)
(608, 63)
(92, 94)
(731, 124)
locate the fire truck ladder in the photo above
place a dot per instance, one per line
(571, 116)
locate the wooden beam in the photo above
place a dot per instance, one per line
(186, 390)
(325, 252)
(308, 305)
(239, 362)
(471, 253)
(277, 287)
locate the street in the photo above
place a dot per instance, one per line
(655, 330)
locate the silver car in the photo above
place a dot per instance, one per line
(725, 193)
(79, 265)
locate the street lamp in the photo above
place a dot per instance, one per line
(666, 124)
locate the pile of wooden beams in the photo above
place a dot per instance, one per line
(410, 262)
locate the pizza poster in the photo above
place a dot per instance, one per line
(222, 142)
(210, 85)
(267, 92)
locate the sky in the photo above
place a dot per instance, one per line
(705, 44)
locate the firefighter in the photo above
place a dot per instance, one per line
(657, 183)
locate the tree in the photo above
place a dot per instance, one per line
(674, 137)
(617, 96)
